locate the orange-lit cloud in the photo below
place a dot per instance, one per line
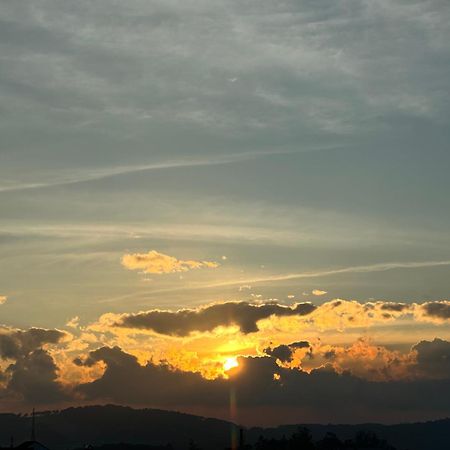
(318, 292)
(336, 334)
(255, 326)
(74, 322)
(288, 354)
(363, 359)
(158, 263)
(3, 299)
(338, 337)
(354, 376)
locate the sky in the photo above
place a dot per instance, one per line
(215, 201)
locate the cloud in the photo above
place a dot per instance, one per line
(362, 359)
(16, 343)
(198, 339)
(340, 314)
(395, 307)
(337, 314)
(317, 395)
(244, 287)
(433, 358)
(159, 263)
(108, 172)
(378, 267)
(74, 322)
(307, 376)
(267, 69)
(438, 312)
(34, 379)
(147, 384)
(285, 352)
(185, 321)
(318, 292)
(3, 299)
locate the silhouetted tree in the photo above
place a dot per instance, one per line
(369, 440)
(271, 444)
(193, 445)
(301, 440)
(330, 442)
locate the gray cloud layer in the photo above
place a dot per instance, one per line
(438, 310)
(246, 315)
(185, 321)
(94, 90)
(270, 73)
(433, 358)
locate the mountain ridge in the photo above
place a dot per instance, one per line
(76, 427)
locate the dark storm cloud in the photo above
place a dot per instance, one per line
(433, 358)
(126, 381)
(438, 310)
(33, 378)
(322, 393)
(185, 321)
(14, 344)
(284, 352)
(397, 307)
(300, 344)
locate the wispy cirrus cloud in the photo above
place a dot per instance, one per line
(193, 286)
(379, 267)
(83, 176)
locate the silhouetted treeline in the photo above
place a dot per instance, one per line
(125, 446)
(302, 440)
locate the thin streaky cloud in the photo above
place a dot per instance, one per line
(379, 267)
(99, 174)
(115, 171)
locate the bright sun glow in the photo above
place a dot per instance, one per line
(230, 363)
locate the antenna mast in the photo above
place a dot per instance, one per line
(33, 427)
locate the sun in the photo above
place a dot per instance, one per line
(230, 363)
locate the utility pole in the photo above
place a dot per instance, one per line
(33, 427)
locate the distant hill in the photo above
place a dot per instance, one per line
(98, 425)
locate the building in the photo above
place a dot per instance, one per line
(32, 444)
